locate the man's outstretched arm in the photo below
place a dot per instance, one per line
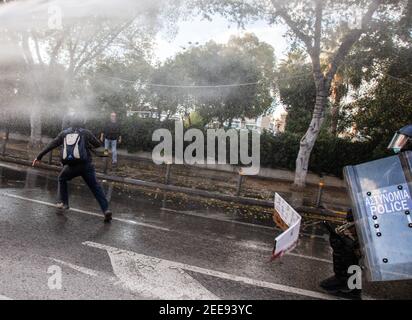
(93, 141)
(57, 142)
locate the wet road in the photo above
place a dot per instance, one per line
(154, 249)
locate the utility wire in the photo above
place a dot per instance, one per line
(185, 86)
(299, 76)
(399, 79)
(204, 86)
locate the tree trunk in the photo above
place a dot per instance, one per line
(308, 141)
(189, 120)
(339, 90)
(334, 116)
(323, 81)
(35, 129)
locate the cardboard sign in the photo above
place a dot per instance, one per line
(289, 220)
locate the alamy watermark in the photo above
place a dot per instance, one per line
(217, 140)
(55, 281)
(355, 18)
(355, 278)
(55, 17)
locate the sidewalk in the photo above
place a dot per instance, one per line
(219, 184)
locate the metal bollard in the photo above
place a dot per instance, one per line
(50, 159)
(109, 192)
(167, 176)
(320, 192)
(4, 144)
(106, 156)
(239, 183)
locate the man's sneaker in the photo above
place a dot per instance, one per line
(107, 216)
(62, 206)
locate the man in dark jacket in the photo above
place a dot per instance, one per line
(112, 137)
(83, 168)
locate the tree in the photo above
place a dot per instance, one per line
(224, 82)
(374, 66)
(45, 70)
(165, 94)
(297, 91)
(114, 84)
(58, 56)
(311, 23)
(387, 106)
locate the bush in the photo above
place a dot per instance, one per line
(329, 155)
(279, 151)
(137, 132)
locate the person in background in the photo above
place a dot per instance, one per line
(112, 137)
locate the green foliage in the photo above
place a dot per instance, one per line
(329, 156)
(240, 61)
(297, 91)
(195, 120)
(138, 133)
(387, 106)
(279, 151)
(168, 88)
(110, 92)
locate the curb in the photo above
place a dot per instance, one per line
(186, 190)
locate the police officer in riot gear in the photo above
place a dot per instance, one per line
(346, 253)
(344, 239)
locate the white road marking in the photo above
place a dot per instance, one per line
(137, 271)
(154, 278)
(309, 257)
(83, 270)
(264, 247)
(146, 224)
(84, 212)
(194, 214)
(4, 298)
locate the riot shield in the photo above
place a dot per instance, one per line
(382, 205)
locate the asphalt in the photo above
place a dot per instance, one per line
(156, 248)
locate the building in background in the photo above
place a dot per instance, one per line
(273, 123)
(280, 122)
(153, 114)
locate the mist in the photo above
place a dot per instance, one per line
(48, 47)
(93, 57)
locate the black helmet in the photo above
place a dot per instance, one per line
(402, 139)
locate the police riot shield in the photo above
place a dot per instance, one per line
(381, 196)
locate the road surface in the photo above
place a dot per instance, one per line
(154, 249)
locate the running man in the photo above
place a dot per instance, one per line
(77, 144)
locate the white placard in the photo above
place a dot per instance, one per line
(287, 240)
